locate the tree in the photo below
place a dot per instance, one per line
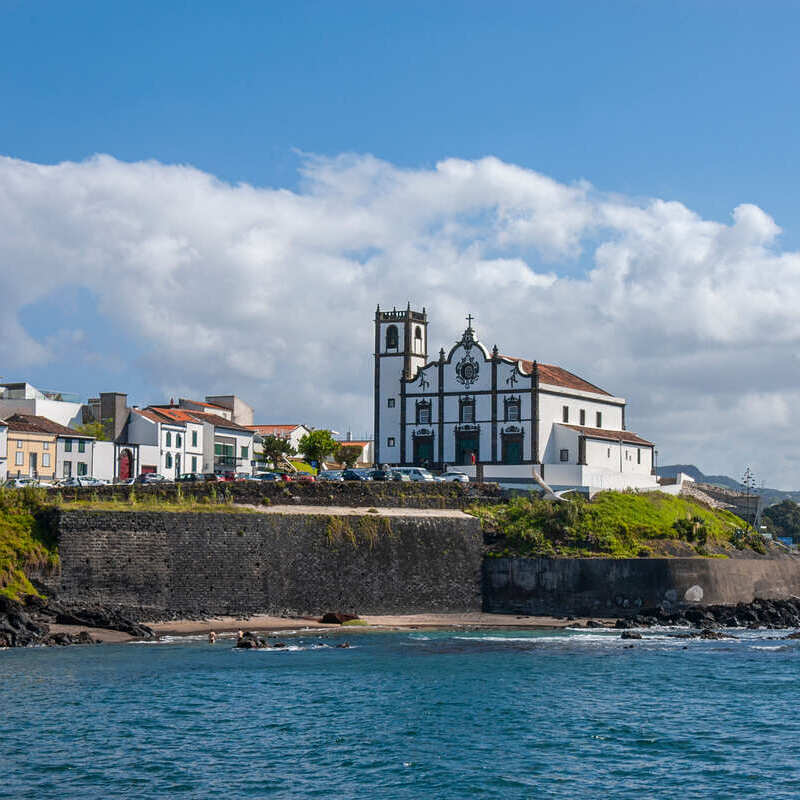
(96, 429)
(275, 448)
(315, 446)
(348, 454)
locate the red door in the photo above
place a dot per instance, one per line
(125, 465)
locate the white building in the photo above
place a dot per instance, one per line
(74, 455)
(290, 433)
(23, 398)
(190, 441)
(511, 417)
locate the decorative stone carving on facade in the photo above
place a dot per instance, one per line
(467, 371)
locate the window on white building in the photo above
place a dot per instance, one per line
(20, 459)
(169, 439)
(423, 412)
(67, 469)
(83, 468)
(565, 413)
(467, 410)
(390, 441)
(565, 455)
(81, 445)
(599, 419)
(390, 402)
(512, 410)
(608, 453)
(244, 452)
(583, 416)
(194, 463)
(67, 445)
(168, 460)
(638, 456)
(194, 438)
(178, 440)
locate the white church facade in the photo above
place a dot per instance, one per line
(507, 417)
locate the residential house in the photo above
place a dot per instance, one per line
(41, 448)
(23, 398)
(190, 441)
(291, 433)
(365, 457)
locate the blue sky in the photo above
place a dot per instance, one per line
(693, 102)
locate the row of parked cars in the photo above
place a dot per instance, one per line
(392, 474)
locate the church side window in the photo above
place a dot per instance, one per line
(565, 413)
(390, 441)
(391, 337)
(423, 412)
(565, 455)
(467, 410)
(418, 339)
(390, 402)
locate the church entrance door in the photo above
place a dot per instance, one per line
(423, 450)
(466, 447)
(512, 450)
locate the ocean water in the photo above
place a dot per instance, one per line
(417, 714)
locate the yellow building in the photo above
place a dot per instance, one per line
(32, 446)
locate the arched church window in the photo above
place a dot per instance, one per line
(467, 410)
(418, 339)
(391, 337)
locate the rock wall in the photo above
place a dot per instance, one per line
(354, 494)
(617, 587)
(163, 564)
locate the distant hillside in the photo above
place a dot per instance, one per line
(770, 496)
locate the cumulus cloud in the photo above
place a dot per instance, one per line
(270, 293)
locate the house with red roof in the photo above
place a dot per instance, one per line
(291, 433)
(508, 418)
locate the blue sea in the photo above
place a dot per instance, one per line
(503, 714)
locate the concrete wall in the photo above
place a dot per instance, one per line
(614, 587)
(186, 564)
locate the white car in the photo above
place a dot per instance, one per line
(21, 483)
(415, 473)
(454, 476)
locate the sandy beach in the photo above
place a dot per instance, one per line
(387, 622)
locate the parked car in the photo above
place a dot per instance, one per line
(85, 480)
(191, 477)
(267, 476)
(151, 477)
(211, 477)
(416, 473)
(381, 475)
(454, 476)
(400, 476)
(355, 475)
(21, 483)
(303, 477)
(243, 476)
(68, 483)
(330, 475)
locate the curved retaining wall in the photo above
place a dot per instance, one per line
(615, 587)
(161, 563)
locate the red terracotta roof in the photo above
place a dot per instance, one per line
(30, 423)
(558, 376)
(275, 430)
(612, 436)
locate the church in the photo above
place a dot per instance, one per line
(503, 416)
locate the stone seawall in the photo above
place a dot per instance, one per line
(618, 587)
(163, 563)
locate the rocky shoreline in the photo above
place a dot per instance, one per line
(29, 623)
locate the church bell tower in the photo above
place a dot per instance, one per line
(401, 348)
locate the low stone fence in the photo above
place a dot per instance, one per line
(353, 494)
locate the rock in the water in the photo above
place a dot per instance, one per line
(593, 623)
(630, 635)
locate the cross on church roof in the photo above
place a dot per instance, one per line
(469, 320)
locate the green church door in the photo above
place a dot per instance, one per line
(512, 450)
(423, 450)
(466, 447)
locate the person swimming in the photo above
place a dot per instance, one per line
(212, 637)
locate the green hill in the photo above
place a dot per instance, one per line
(616, 524)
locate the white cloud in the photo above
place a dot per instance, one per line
(270, 293)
